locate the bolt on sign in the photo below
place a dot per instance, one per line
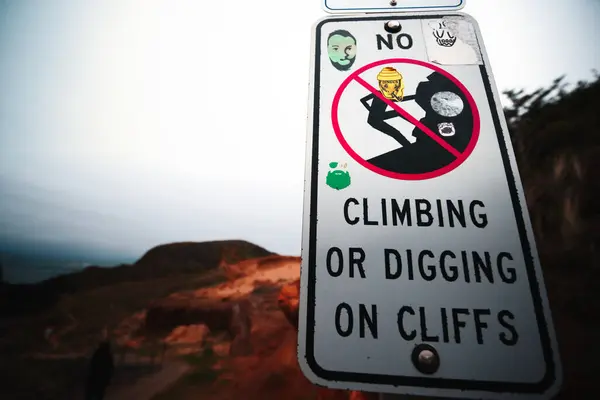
(420, 273)
(372, 6)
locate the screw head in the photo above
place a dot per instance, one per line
(425, 359)
(393, 3)
(393, 26)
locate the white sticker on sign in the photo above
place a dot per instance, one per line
(419, 272)
(451, 41)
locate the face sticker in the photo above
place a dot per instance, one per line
(341, 49)
(451, 41)
(443, 36)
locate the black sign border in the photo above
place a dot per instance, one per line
(550, 375)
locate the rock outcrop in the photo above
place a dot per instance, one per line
(251, 266)
(167, 314)
(288, 302)
(240, 327)
(188, 334)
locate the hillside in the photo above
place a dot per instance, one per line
(556, 136)
(163, 261)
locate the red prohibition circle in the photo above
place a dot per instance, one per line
(396, 175)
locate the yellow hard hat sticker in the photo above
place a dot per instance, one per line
(391, 84)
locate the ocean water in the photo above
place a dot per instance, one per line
(19, 268)
(31, 273)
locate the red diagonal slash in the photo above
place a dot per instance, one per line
(409, 117)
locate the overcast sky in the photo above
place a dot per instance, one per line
(126, 124)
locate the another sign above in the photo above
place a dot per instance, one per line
(420, 274)
(374, 6)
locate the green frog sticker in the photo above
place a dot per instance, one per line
(338, 178)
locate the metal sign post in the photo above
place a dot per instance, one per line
(420, 274)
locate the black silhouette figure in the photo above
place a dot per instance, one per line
(378, 115)
(100, 372)
(426, 155)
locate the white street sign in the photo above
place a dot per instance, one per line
(379, 6)
(420, 273)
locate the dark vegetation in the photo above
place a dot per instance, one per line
(161, 262)
(556, 137)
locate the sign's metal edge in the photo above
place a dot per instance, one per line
(310, 189)
(308, 175)
(390, 10)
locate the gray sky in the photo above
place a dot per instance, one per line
(125, 124)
